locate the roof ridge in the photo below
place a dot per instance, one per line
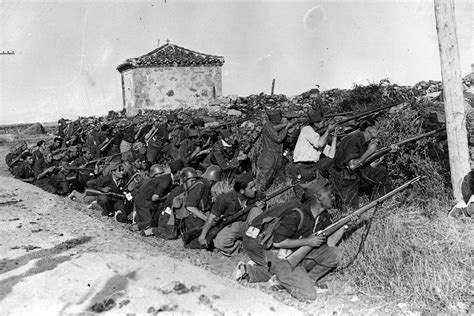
(172, 55)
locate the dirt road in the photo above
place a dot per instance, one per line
(58, 257)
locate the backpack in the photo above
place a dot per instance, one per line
(180, 211)
(263, 226)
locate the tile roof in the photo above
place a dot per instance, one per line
(170, 55)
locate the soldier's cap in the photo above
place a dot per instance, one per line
(172, 117)
(275, 115)
(315, 116)
(176, 165)
(244, 179)
(314, 187)
(198, 122)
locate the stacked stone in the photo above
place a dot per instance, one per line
(470, 135)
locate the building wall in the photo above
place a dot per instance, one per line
(171, 87)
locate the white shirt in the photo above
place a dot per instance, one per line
(307, 149)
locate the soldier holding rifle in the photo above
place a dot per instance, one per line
(310, 146)
(228, 240)
(287, 227)
(349, 178)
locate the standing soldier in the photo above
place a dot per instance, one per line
(310, 146)
(270, 161)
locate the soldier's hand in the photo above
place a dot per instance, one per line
(372, 147)
(316, 241)
(354, 217)
(376, 162)
(260, 204)
(331, 127)
(202, 240)
(394, 148)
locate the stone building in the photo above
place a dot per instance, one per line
(170, 77)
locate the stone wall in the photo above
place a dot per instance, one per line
(170, 87)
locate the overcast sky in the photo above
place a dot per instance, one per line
(67, 52)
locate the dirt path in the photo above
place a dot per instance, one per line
(58, 257)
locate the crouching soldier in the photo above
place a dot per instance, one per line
(109, 190)
(25, 170)
(229, 239)
(50, 177)
(297, 221)
(154, 191)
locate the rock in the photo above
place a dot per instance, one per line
(234, 113)
(355, 299)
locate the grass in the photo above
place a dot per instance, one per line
(424, 261)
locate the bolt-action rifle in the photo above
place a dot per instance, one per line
(356, 164)
(323, 129)
(295, 258)
(221, 222)
(93, 192)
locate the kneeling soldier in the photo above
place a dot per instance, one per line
(298, 220)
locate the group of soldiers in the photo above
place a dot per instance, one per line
(160, 176)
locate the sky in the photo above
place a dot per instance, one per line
(66, 52)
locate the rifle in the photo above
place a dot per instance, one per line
(323, 129)
(338, 114)
(295, 257)
(249, 148)
(220, 223)
(90, 170)
(232, 122)
(93, 192)
(383, 151)
(99, 159)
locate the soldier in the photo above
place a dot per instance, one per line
(55, 146)
(111, 183)
(25, 170)
(228, 240)
(270, 162)
(310, 146)
(40, 150)
(14, 158)
(350, 177)
(152, 191)
(49, 176)
(225, 153)
(298, 220)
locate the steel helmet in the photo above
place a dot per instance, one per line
(188, 173)
(156, 170)
(213, 173)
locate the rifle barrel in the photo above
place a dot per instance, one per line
(295, 258)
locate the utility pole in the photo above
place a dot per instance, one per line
(273, 87)
(452, 94)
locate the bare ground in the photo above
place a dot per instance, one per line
(58, 257)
